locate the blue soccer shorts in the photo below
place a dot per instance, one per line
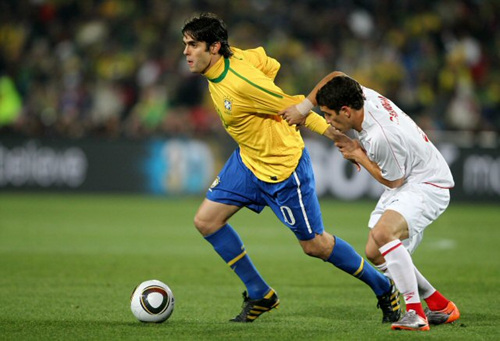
(293, 201)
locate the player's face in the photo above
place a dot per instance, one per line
(198, 57)
(341, 121)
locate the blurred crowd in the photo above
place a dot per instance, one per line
(114, 68)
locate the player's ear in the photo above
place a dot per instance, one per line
(345, 110)
(215, 47)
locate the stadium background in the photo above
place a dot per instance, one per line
(95, 95)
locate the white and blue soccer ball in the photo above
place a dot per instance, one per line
(152, 301)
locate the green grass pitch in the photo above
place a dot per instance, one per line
(68, 264)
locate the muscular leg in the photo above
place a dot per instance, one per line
(387, 235)
(321, 246)
(373, 254)
(341, 254)
(434, 299)
(425, 289)
(211, 216)
(211, 220)
(296, 205)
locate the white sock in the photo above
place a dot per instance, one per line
(383, 268)
(398, 262)
(425, 289)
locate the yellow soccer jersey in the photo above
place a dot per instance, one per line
(247, 101)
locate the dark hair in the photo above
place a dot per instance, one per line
(340, 91)
(209, 28)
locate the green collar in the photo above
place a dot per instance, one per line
(223, 74)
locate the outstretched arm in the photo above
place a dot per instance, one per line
(301, 114)
(296, 114)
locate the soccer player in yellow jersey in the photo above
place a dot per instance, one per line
(271, 167)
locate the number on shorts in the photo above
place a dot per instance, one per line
(287, 215)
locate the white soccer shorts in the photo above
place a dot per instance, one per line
(420, 204)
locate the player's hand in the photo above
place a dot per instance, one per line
(350, 149)
(340, 139)
(293, 116)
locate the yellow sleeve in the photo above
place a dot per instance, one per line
(316, 123)
(258, 58)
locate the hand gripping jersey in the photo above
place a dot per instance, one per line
(247, 101)
(399, 147)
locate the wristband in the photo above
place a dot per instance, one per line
(304, 107)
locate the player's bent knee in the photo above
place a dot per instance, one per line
(205, 227)
(315, 250)
(372, 256)
(320, 246)
(380, 236)
(310, 251)
(198, 224)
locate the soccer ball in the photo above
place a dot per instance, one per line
(152, 301)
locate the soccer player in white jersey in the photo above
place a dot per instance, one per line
(417, 180)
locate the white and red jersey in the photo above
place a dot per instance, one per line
(399, 147)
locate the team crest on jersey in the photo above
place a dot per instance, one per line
(228, 105)
(215, 183)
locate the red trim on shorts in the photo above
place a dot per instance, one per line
(392, 248)
(430, 183)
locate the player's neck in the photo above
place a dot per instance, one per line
(213, 60)
(358, 118)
